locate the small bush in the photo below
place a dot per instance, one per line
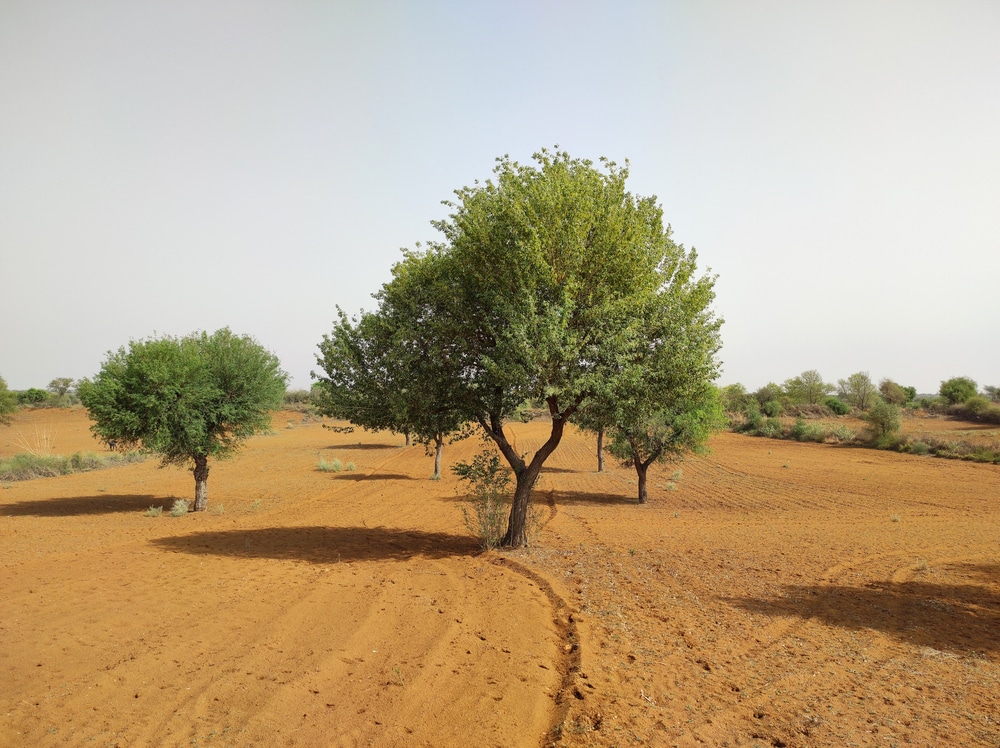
(772, 408)
(919, 448)
(841, 433)
(838, 406)
(350, 467)
(179, 509)
(883, 419)
(330, 466)
(153, 511)
(771, 427)
(490, 483)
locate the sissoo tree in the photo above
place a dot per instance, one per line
(541, 291)
(187, 399)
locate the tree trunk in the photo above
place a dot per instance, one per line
(408, 442)
(200, 483)
(517, 523)
(600, 450)
(438, 449)
(640, 471)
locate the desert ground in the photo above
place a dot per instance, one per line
(770, 594)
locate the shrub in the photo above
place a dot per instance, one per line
(331, 466)
(179, 509)
(771, 427)
(883, 419)
(919, 448)
(153, 511)
(490, 483)
(841, 433)
(837, 405)
(350, 467)
(34, 396)
(772, 408)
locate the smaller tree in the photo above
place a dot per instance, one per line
(186, 399)
(8, 403)
(993, 393)
(892, 392)
(667, 433)
(958, 389)
(60, 386)
(858, 390)
(883, 419)
(33, 396)
(808, 387)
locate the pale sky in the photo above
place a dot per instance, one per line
(167, 167)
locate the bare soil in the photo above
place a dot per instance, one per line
(770, 594)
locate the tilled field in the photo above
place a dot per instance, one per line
(770, 594)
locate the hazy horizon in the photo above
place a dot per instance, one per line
(166, 168)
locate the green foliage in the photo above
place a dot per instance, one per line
(553, 284)
(33, 396)
(808, 388)
(733, 398)
(153, 511)
(958, 389)
(883, 419)
(185, 399)
(911, 394)
(858, 390)
(61, 386)
(808, 432)
(770, 427)
(768, 393)
(180, 508)
(772, 408)
(892, 392)
(8, 403)
(838, 406)
(489, 483)
(993, 393)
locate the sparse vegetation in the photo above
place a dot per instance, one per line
(8, 403)
(153, 511)
(179, 509)
(29, 466)
(329, 466)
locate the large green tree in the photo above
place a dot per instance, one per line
(540, 292)
(858, 390)
(8, 403)
(187, 399)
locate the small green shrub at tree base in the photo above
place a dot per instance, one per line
(179, 509)
(489, 482)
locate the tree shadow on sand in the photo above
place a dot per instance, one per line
(324, 545)
(78, 505)
(373, 476)
(959, 618)
(584, 498)
(361, 447)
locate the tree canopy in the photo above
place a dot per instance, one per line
(543, 290)
(186, 399)
(958, 389)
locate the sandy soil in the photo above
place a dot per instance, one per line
(771, 594)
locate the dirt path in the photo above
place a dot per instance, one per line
(771, 594)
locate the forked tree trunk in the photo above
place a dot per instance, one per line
(438, 449)
(600, 450)
(200, 483)
(640, 471)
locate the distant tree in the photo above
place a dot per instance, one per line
(60, 386)
(769, 392)
(808, 387)
(993, 393)
(892, 392)
(858, 390)
(911, 394)
(838, 406)
(186, 399)
(958, 389)
(733, 398)
(8, 403)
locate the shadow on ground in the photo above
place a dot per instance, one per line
(76, 505)
(324, 545)
(957, 618)
(374, 476)
(361, 447)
